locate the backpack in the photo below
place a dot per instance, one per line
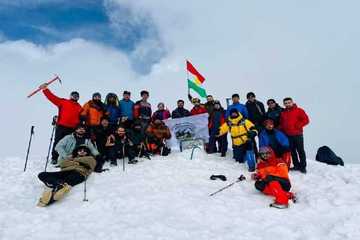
(326, 155)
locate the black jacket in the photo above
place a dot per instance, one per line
(180, 113)
(256, 112)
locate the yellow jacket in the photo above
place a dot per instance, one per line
(238, 128)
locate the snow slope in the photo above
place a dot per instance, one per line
(168, 198)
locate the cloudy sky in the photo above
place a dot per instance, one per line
(304, 49)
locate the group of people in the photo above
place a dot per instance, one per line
(87, 136)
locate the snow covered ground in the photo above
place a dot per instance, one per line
(168, 198)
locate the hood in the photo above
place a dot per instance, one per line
(236, 120)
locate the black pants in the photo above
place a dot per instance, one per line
(284, 183)
(221, 141)
(60, 132)
(297, 151)
(116, 152)
(52, 179)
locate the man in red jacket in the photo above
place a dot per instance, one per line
(198, 107)
(68, 116)
(292, 121)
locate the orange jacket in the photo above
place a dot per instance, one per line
(272, 167)
(161, 131)
(93, 113)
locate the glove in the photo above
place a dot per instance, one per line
(251, 134)
(255, 176)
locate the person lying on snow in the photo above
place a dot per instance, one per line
(242, 131)
(277, 140)
(272, 178)
(74, 170)
(157, 133)
(120, 146)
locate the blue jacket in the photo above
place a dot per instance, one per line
(238, 106)
(126, 109)
(275, 139)
(114, 113)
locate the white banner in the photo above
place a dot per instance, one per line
(193, 127)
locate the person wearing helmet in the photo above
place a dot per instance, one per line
(73, 171)
(271, 178)
(68, 116)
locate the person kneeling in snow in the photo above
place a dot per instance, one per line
(272, 178)
(157, 133)
(74, 170)
(120, 146)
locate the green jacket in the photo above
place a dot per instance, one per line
(83, 165)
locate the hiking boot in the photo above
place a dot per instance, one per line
(294, 169)
(223, 154)
(45, 198)
(291, 196)
(279, 206)
(251, 170)
(113, 163)
(303, 170)
(133, 161)
(54, 161)
(61, 190)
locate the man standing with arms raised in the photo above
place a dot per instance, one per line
(68, 116)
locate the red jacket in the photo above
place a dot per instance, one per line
(293, 120)
(198, 110)
(69, 111)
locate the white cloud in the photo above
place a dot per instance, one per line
(269, 48)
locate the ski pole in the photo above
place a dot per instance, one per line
(123, 157)
(48, 83)
(85, 199)
(51, 140)
(28, 150)
(241, 178)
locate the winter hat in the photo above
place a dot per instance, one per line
(81, 147)
(268, 121)
(97, 94)
(75, 94)
(126, 92)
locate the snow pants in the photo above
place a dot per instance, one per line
(276, 187)
(221, 141)
(244, 153)
(297, 151)
(53, 179)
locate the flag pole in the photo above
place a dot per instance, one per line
(187, 77)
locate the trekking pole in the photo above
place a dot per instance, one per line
(85, 199)
(241, 178)
(28, 150)
(124, 158)
(51, 140)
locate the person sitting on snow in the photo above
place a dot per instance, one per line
(277, 140)
(157, 133)
(242, 131)
(67, 145)
(120, 146)
(138, 137)
(272, 178)
(74, 170)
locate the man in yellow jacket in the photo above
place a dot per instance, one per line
(242, 131)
